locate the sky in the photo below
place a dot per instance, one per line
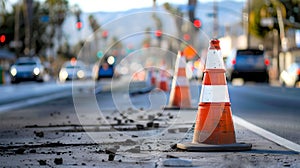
(118, 5)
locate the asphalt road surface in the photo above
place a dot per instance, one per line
(276, 109)
(64, 131)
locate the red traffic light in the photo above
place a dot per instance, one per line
(186, 37)
(158, 33)
(105, 34)
(2, 38)
(197, 23)
(78, 25)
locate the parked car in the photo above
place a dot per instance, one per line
(73, 70)
(291, 76)
(27, 69)
(248, 64)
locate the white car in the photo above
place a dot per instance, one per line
(73, 70)
(27, 69)
(291, 76)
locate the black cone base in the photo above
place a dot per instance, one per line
(198, 147)
(179, 108)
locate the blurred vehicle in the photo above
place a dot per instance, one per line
(27, 69)
(73, 70)
(193, 70)
(291, 76)
(105, 68)
(249, 64)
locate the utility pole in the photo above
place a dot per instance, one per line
(248, 23)
(28, 22)
(17, 28)
(158, 24)
(216, 21)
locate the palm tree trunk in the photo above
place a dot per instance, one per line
(27, 17)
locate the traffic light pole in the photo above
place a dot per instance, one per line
(17, 28)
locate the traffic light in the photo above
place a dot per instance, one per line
(158, 34)
(3, 39)
(105, 34)
(197, 24)
(186, 37)
(78, 25)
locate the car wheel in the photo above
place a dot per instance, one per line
(230, 79)
(40, 80)
(14, 82)
(266, 80)
(297, 84)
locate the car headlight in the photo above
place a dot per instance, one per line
(36, 71)
(13, 71)
(63, 75)
(80, 74)
(111, 60)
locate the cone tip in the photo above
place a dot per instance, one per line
(215, 44)
(180, 53)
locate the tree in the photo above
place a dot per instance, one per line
(261, 10)
(177, 15)
(40, 18)
(2, 6)
(93, 23)
(95, 26)
(292, 13)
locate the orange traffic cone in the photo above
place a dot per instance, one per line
(153, 76)
(180, 96)
(214, 130)
(163, 83)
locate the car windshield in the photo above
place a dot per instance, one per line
(72, 66)
(25, 63)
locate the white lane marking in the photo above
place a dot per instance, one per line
(33, 101)
(266, 134)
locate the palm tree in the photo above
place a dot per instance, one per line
(57, 13)
(28, 22)
(2, 5)
(96, 29)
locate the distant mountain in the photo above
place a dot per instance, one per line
(130, 25)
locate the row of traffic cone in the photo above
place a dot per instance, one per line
(160, 82)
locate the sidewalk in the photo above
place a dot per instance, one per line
(13, 93)
(18, 96)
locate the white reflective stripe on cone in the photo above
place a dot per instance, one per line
(214, 93)
(182, 81)
(213, 60)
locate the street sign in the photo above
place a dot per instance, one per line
(45, 19)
